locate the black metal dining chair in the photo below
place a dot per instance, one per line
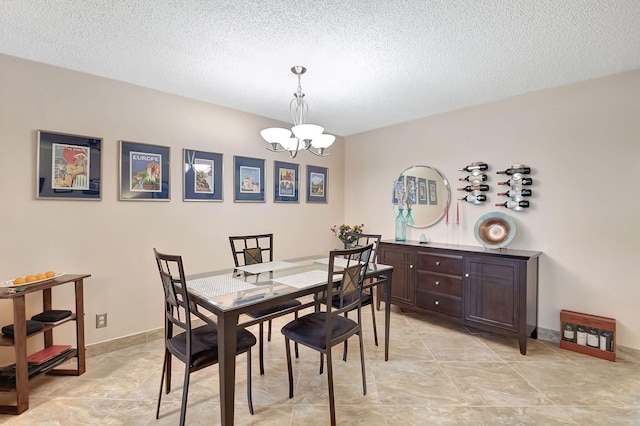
(352, 240)
(196, 347)
(250, 250)
(322, 331)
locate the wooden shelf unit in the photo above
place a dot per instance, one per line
(20, 384)
(588, 320)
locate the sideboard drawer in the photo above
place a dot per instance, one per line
(439, 283)
(439, 302)
(443, 264)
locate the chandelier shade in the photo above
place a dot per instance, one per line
(308, 137)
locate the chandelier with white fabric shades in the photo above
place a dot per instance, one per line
(309, 137)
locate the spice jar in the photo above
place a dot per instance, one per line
(593, 337)
(568, 332)
(606, 340)
(581, 335)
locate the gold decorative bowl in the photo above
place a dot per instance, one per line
(495, 230)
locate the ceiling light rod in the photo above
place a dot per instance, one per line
(306, 136)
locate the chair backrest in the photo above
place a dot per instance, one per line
(355, 239)
(250, 249)
(177, 304)
(347, 268)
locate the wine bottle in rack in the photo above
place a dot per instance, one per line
(517, 193)
(470, 188)
(517, 179)
(474, 166)
(514, 205)
(474, 179)
(515, 169)
(474, 199)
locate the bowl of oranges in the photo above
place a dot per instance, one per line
(31, 279)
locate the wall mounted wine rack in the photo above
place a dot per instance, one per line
(519, 183)
(476, 180)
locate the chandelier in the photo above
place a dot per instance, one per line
(305, 136)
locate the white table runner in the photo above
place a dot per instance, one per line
(303, 279)
(258, 268)
(217, 286)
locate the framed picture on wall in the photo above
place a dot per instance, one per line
(285, 179)
(144, 172)
(317, 184)
(68, 166)
(202, 176)
(422, 191)
(248, 180)
(433, 192)
(398, 191)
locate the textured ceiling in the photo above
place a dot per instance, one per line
(371, 63)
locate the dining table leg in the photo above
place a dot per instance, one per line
(227, 329)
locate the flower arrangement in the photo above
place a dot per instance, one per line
(343, 229)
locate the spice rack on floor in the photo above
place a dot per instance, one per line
(606, 348)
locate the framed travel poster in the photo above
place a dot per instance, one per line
(144, 172)
(202, 176)
(248, 180)
(285, 178)
(433, 192)
(422, 191)
(68, 166)
(317, 184)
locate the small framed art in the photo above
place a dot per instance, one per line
(202, 176)
(144, 172)
(422, 191)
(433, 192)
(68, 166)
(317, 184)
(248, 180)
(285, 179)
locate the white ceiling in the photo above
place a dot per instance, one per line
(371, 63)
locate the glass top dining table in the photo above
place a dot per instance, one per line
(232, 292)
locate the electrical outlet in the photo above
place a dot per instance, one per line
(101, 320)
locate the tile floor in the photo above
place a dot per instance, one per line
(438, 374)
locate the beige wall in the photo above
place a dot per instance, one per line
(583, 143)
(112, 239)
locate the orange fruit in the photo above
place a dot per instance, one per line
(50, 274)
(41, 276)
(30, 278)
(20, 280)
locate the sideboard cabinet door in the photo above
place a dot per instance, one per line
(492, 293)
(404, 272)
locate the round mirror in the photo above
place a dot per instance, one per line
(425, 191)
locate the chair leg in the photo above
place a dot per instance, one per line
(261, 347)
(164, 369)
(364, 377)
(168, 377)
(287, 346)
(249, 399)
(295, 344)
(321, 363)
(269, 332)
(373, 317)
(346, 343)
(185, 393)
(332, 403)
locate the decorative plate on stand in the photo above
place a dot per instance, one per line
(495, 230)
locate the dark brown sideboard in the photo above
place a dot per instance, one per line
(491, 290)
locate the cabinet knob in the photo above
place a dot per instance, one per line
(466, 275)
(410, 266)
(437, 263)
(437, 282)
(437, 302)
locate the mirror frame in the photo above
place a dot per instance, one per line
(437, 217)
